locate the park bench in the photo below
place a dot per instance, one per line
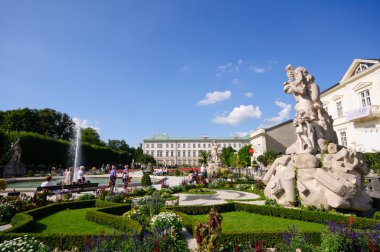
(86, 187)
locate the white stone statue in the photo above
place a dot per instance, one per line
(324, 173)
(214, 153)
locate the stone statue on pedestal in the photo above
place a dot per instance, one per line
(324, 173)
(15, 167)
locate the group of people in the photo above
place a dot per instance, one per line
(113, 177)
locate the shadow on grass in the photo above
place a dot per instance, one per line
(34, 227)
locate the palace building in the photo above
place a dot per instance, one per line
(185, 151)
(354, 104)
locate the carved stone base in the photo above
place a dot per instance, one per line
(14, 168)
(337, 186)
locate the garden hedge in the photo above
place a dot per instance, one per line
(39, 149)
(21, 221)
(195, 209)
(305, 215)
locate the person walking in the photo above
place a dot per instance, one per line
(126, 178)
(112, 179)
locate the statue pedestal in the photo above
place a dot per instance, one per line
(14, 168)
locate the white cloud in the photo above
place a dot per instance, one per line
(184, 68)
(240, 62)
(214, 97)
(257, 69)
(282, 115)
(85, 124)
(248, 94)
(236, 82)
(238, 114)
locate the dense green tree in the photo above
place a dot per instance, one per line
(204, 157)
(226, 157)
(118, 145)
(267, 158)
(91, 136)
(244, 157)
(46, 122)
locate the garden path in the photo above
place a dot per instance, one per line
(220, 197)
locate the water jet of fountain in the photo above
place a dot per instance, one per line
(75, 150)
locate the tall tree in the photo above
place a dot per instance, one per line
(244, 157)
(204, 156)
(91, 136)
(120, 145)
(226, 157)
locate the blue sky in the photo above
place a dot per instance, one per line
(133, 69)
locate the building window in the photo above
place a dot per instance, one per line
(193, 145)
(172, 145)
(234, 145)
(224, 145)
(159, 153)
(159, 145)
(167, 145)
(147, 145)
(239, 145)
(194, 153)
(184, 153)
(167, 153)
(365, 98)
(184, 145)
(172, 153)
(152, 145)
(199, 145)
(189, 145)
(339, 108)
(204, 145)
(189, 153)
(179, 145)
(152, 153)
(209, 145)
(178, 153)
(343, 138)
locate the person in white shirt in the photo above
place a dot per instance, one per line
(80, 175)
(47, 182)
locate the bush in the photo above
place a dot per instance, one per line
(23, 243)
(3, 184)
(145, 180)
(87, 196)
(166, 219)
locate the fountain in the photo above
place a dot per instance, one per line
(75, 150)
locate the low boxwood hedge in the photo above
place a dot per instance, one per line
(195, 210)
(305, 215)
(269, 239)
(106, 216)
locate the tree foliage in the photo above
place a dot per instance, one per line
(228, 157)
(204, 156)
(373, 160)
(267, 158)
(48, 122)
(91, 136)
(244, 157)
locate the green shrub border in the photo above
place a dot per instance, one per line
(268, 238)
(104, 215)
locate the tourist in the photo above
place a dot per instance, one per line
(80, 175)
(47, 182)
(203, 170)
(112, 179)
(68, 176)
(125, 175)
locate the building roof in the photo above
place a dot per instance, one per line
(279, 125)
(166, 137)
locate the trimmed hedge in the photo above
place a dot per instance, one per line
(304, 215)
(269, 239)
(39, 149)
(195, 210)
(21, 221)
(117, 222)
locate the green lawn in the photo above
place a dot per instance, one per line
(243, 221)
(69, 221)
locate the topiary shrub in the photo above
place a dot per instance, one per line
(145, 180)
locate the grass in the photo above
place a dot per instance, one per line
(201, 191)
(243, 221)
(69, 221)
